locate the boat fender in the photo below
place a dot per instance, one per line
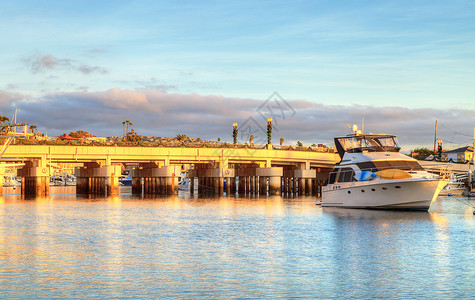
(450, 194)
(365, 176)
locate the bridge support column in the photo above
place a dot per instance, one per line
(307, 186)
(234, 185)
(192, 185)
(262, 185)
(227, 183)
(304, 178)
(202, 188)
(98, 180)
(247, 179)
(285, 185)
(275, 178)
(300, 186)
(211, 180)
(136, 184)
(35, 179)
(150, 179)
(2, 174)
(253, 185)
(231, 181)
(275, 185)
(241, 185)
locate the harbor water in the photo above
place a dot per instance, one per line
(182, 247)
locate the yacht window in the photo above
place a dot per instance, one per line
(368, 143)
(332, 178)
(399, 164)
(346, 175)
(366, 166)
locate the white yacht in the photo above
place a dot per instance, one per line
(373, 174)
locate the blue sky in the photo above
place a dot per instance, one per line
(343, 59)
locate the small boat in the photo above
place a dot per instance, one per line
(372, 174)
(11, 181)
(184, 184)
(471, 194)
(456, 186)
(126, 181)
(57, 180)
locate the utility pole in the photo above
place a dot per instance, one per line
(435, 137)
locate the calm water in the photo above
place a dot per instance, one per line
(181, 247)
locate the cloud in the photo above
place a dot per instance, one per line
(38, 63)
(88, 69)
(8, 99)
(158, 113)
(153, 84)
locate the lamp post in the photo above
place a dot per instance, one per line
(235, 132)
(269, 130)
(439, 148)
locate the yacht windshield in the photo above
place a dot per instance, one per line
(373, 143)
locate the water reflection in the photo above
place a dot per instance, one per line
(229, 247)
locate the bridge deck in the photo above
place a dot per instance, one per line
(175, 155)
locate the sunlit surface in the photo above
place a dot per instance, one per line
(187, 247)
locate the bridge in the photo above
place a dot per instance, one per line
(244, 170)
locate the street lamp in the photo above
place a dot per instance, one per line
(439, 148)
(269, 130)
(235, 132)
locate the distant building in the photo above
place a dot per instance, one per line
(461, 155)
(96, 139)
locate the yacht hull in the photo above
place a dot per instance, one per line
(404, 194)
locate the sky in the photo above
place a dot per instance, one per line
(195, 67)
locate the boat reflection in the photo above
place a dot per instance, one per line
(347, 213)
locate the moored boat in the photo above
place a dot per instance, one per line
(456, 186)
(126, 181)
(373, 174)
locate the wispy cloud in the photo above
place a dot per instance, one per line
(85, 69)
(38, 63)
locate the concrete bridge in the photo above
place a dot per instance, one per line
(245, 170)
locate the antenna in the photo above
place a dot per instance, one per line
(14, 120)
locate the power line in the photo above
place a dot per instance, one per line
(456, 132)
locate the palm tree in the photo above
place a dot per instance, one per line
(33, 129)
(281, 142)
(251, 139)
(181, 137)
(123, 127)
(3, 119)
(127, 122)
